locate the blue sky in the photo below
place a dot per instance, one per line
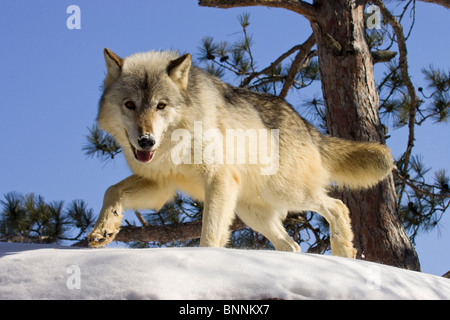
(50, 79)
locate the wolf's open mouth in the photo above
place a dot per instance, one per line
(142, 155)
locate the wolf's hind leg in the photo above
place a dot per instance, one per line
(133, 192)
(337, 215)
(269, 223)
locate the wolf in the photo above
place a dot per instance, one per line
(148, 96)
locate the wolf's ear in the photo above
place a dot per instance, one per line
(178, 70)
(114, 65)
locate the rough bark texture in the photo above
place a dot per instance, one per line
(351, 101)
(301, 7)
(167, 233)
(164, 233)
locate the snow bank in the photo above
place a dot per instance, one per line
(39, 272)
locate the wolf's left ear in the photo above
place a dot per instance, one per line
(178, 70)
(114, 65)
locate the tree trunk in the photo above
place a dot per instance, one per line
(351, 101)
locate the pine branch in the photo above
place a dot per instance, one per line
(302, 7)
(100, 144)
(270, 69)
(167, 233)
(140, 218)
(444, 3)
(241, 66)
(301, 60)
(414, 185)
(403, 64)
(382, 56)
(244, 21)
(192, 230)
(20, 238)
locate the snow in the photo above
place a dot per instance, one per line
(29, 271)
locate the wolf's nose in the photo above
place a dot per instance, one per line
(146, 141)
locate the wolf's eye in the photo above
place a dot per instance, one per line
(161, 106)
(130, 105)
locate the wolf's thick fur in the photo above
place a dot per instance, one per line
(168, 93)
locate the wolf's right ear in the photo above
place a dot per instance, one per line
(114, 65)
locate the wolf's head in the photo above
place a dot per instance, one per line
(142, 98)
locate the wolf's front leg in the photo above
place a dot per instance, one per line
(220, 202)
(133, 192)
(109, 220)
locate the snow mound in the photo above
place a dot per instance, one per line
(39, 272)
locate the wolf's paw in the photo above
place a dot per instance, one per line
(346, 251)
(101, 237)
(106, 227)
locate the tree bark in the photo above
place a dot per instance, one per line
(301, 7)
(351, 101)
(444, 3)
(167, 233)
(164, 233)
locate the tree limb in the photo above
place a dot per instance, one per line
(382, 56)
(444, 3)
(140, 218)
(164, 233)
(167, 233)
(298, 63)
(302, 7)
(416, 188)
(269, 70)
(403, 64)
(183, 231)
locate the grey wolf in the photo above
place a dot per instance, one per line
(148, 96)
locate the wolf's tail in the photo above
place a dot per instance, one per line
(356, 165)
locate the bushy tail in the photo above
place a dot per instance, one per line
(356, 165)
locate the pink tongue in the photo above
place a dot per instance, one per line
(143, 156)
